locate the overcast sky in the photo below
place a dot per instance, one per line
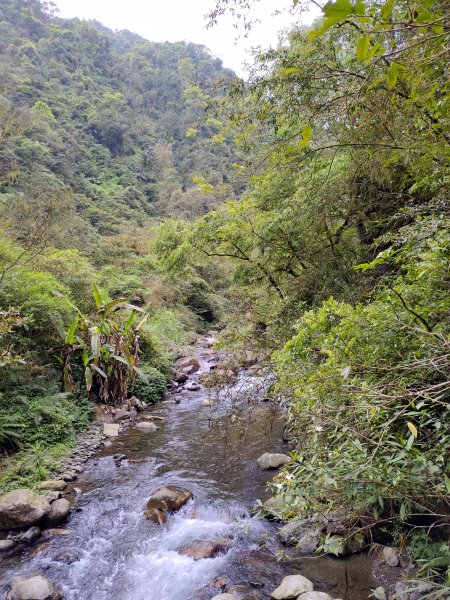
(177, 20)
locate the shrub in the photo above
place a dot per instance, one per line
(368, 394)
(152, 388)
(45, 420)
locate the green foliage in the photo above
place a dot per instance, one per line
(109, 347)
(10, 320)
(150, 388)
(31, 465)
(369, 397)
(46, 420)
(340, 248)
(106, 114)
(32, 293)
(433, 557)
(42, 429)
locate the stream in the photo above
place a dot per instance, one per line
(109, 551)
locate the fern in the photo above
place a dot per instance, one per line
(11, 429)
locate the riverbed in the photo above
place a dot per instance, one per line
(109, 551)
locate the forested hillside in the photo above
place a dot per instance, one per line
(103, 135)
(117, 121)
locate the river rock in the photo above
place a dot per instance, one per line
(139, 405)
(188, 363)
(309, 541)
(59, 511)
(343, 546)
(146, 426)
(379, 593)
(22, 508)
(413, 590)
(121, 413)
(390, 556)
(53, 485)
(155, 514)
(337, 522)
(29, 536)
(181, 377)
(220, 583)
(166, 499)
(224, 597)
(245, 592)
(314, 596)
(199, 549)
(292, 586)
(272, 461)
(52, 495)
(111, 429)
(291, 532)
(192, 386)
(33, 588)
(304, 534)
(273, 506)
(6, 545)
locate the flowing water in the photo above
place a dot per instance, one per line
(111, 552)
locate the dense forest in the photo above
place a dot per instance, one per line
(103, 137)
(304, 212)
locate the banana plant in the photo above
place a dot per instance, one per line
(108, 344)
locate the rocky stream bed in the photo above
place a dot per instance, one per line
(204, 442)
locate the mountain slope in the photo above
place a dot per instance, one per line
(102, 119)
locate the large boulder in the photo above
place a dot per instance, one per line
(33, 588)
(291, 587)
(272, 461)
(59, 511)
(165, 500)
(22, 508)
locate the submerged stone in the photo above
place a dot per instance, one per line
(166, 499)
(146, 426)
(111, 429)
(199, 549)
